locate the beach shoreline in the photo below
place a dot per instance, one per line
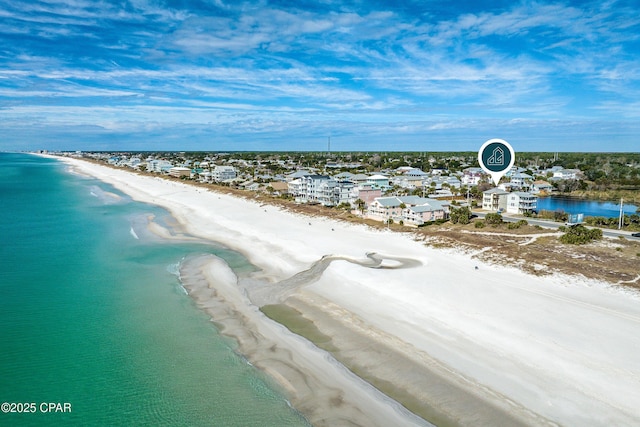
(483, 326)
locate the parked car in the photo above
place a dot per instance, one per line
(635, 235)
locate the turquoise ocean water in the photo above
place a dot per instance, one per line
(92, 314)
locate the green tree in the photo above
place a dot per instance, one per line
(460, 216)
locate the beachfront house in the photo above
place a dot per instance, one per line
(411, 210)
(179, 171)
(223, 173)
(309, 188)
(432, 210)
(364, 192)
(159, 166)
(494, 200)
(333, 193)
(520, 202)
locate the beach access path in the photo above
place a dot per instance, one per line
(545, 350)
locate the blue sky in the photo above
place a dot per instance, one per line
(285, 75)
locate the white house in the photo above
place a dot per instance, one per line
(567, 174)
(223, 173)
(309, 188)
(520, 202)
(521, 180)
(159, 165)
(494, 199)
(294, 187)
(179, 171)
(332, 192)
(472, 176)
(412, 210)
(541, 187)
(378, 181)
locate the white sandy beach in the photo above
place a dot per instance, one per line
(542, 350)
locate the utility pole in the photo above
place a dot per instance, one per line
(621, 220)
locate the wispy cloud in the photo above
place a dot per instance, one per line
(411, 68)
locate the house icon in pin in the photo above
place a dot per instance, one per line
(497, 157)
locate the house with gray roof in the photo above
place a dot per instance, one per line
(411, 210)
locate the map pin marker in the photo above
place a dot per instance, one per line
(496, 157)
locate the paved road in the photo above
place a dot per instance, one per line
(555, 225)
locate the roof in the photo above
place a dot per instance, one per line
(299, 174)
(388, 201)
(359, 177)
(414, 201)
(377, 177)
(521, 175)
(343, 175)
(495, 190)
(416, 172)
(424, 208)
(279, 186)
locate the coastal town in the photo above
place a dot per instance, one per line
(414, 189)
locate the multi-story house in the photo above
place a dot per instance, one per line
(379, 181)
(567, 174)
(494, 199)
(364, 192)
(223, 173)
(333, 193)
(159, 166)
(307, 189)
(520, 202)
(541, 187)
(521, 180)
(411, 210)
(472, 176)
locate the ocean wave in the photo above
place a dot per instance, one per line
(174, 268)
(133, 233)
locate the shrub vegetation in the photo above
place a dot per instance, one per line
(460, 216)
(493, 218)
(580, 235)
